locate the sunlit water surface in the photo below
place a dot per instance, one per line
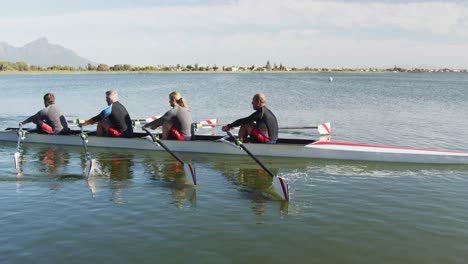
(137, 208)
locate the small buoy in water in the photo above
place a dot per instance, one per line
(330, 79)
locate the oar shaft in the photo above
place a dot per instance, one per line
(297, 127)
(18, 148)
(89, 162)
(76, 121)
(287, 127)
(85, 145)
(20, 135)
(251, 155)
(280, 187)
(170, 152)
(156, 139)
(189, 170)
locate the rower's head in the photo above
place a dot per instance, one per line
(49, 99)
(258, 101)
(176, 98)
(112, 96)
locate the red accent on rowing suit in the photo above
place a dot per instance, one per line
(176, 133)
(258, 136)
(113, 132)
(46, 128)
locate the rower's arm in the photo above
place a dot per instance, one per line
(252, 118)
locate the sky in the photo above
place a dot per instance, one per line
(295, 33)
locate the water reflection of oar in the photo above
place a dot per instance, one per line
(90, 163)
(281, 188)
(189, 170)
(21, 137)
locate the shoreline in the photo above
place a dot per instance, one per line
(209, 72)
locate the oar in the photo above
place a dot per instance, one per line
(21, 137)
(208, 122)
(90, 163)
(323, 129)
(279, 185)
(76, 121)
(137, 122)
(189, 170)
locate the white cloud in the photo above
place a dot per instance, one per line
(248, 32)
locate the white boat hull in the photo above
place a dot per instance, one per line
(295, 149)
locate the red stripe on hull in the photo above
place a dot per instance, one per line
(325, 143)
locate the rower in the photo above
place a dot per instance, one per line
(176, 123)
(113, 121)
(259, 127)
(50, 119)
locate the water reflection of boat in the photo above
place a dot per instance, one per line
(49, 164)
(171, 173)
(118, 167)
(252, 182)
(53, 158)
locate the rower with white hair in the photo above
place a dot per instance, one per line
(114, 120)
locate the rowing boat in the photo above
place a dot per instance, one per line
(290, 148)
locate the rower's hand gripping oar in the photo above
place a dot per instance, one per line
(21, 137)
(189, 170)
(279, 185)
(90, 163)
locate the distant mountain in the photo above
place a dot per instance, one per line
(41, 53)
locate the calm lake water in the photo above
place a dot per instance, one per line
(340, 212)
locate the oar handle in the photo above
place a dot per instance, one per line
(76, 121)
(156, 139)
(239, 143)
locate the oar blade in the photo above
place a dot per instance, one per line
(281, 188)
(208, 123)
(190, 173)
(17, 155)
(90, 166)
(324, 129)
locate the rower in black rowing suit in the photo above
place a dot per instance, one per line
(261, 126)
(114, 121)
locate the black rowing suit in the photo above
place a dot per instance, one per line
(119, 118)
(265, 122)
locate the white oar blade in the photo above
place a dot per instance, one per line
(17, 155)
(91, 185)
(90, 165)
(190, 173)
(324, 129)
(281, 188)
(208, 123)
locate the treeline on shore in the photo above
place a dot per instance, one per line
(6, 66)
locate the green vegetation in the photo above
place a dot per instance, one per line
(23, 67)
